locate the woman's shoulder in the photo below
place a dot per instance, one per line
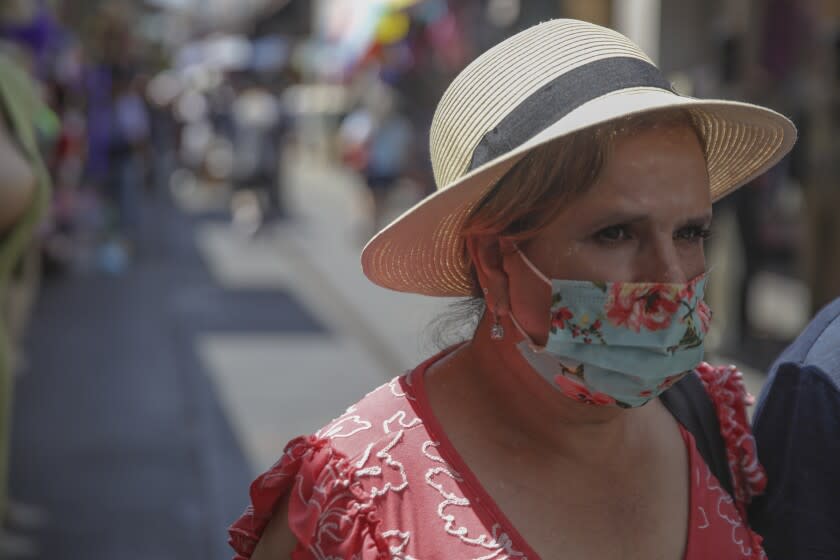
(390, 407)
(341, 471)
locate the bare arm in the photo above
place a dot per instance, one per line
(277, 542)
(18, 183)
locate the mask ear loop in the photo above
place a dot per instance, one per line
(532, 266)
(531, 344)
(528, 340)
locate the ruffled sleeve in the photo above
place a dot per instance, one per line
(725, 386)
(329, 514)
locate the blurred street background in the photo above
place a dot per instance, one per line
(192, 296)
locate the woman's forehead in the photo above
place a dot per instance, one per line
(644, 179)
(655, 165)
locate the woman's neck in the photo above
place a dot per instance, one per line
(497, 391)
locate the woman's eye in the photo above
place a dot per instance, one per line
(694, 233)
(613, 234)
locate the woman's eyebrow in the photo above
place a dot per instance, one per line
(620, 217)
(703, 221)
(629, 217)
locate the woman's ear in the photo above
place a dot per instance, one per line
(486, 254)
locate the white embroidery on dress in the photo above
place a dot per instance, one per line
(494, 555)
(451, 499)
(398, 550)
(376, 470)
(328, 533)
(364, 457)
(399, 418)
(397, 391)
(336, 430)
(337, 504)
(725, 499)
(498, 543)
(436, 458)
(350, 410)
(706, 523)
(329, 479)
(506, 545)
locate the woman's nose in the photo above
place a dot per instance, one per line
(665, 263)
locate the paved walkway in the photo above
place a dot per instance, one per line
(118, 434)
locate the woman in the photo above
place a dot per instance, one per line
(575, 190)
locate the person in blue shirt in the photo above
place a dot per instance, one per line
(797, 431)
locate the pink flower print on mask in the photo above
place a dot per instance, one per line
(705, 315)
(558, 320)
(687, 293)
(579, 392)
(642, 305)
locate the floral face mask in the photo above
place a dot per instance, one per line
(619, 343)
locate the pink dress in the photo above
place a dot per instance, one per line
(383, 481)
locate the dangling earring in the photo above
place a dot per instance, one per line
(497, 331)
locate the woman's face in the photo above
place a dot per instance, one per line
(644, 220)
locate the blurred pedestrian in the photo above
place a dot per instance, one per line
(24, 192)
(376, 141)
(575, 190)
(129, 138)
(389, 150)
(260, 123)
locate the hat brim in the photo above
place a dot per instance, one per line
(422, 250)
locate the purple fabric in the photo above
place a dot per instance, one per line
(36, 34)
(40, 35)
(98, 88)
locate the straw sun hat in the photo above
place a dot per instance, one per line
(544, 83)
